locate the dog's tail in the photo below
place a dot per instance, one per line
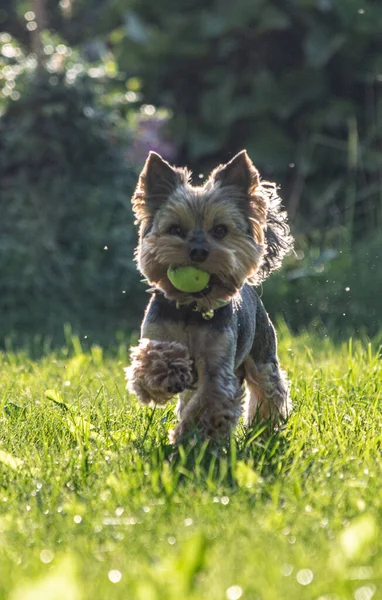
(278, 239)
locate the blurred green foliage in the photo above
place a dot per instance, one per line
(336, 291)
(66, 232)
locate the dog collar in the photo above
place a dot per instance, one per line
(207, 314)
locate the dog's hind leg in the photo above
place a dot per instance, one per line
(268, 388)
(268, 397)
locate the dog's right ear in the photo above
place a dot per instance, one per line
(239, 172)
(156, 183)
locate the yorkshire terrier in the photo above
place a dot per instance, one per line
(217, 348)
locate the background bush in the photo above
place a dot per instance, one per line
(65, 198)
(298, 83)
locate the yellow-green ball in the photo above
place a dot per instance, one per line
(188, 279)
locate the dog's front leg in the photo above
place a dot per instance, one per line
(159, 370)
(216, 406)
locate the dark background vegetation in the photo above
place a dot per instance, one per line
(87, 87)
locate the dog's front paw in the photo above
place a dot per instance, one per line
(179, 378)
(159, 370)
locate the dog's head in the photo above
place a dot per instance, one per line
(219, 227)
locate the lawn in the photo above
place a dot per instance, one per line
(94, 504)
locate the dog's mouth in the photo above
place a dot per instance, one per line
(207, 290)
(215, 292)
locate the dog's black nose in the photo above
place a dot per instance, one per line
(198, 253)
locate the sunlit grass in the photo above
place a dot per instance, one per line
(95, 504)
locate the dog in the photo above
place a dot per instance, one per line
(216, 349)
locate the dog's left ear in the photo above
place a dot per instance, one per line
(157, 181)
(239, 172)
(157, 176)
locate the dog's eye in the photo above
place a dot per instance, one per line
(176, 230)
(219, 231)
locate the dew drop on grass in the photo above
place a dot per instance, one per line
(77, 519)
(234, 592)
(304, 577)
(171, 540)
(286, 570)
(188, 522)
(115, 576)
(46, 556)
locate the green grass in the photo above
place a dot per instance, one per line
(90, 491)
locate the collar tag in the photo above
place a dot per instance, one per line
(208, 314)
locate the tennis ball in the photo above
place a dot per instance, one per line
(188, 279)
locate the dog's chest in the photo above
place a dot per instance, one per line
(231, 327)
(197, 339)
